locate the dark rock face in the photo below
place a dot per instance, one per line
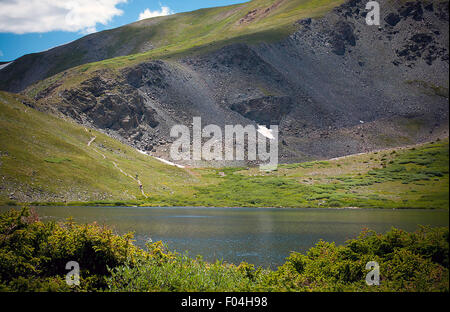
(265, 111)
(428, 37)
(342, 36)
(423, 46)
(422, 39)
(392, 19)
(150, 74)
(305, 22)
(429, 7)
(412, 9)
(108, 104)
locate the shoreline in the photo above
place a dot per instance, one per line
(111, 205)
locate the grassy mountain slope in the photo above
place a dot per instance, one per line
(254, 21)
(44, 158)
(206, 29)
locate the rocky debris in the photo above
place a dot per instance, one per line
(249, 17)
(427, 45)
(442, 10)
(351, 8)
(423, 46)
(244, 57)
(413, 18)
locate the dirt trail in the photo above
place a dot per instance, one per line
(92, 140)
(104, 157)
(383, 150)
(141, 187)
(259, 13)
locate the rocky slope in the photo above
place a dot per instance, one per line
(335, 86)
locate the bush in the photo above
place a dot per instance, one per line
(179, 273)
(408, 262)
(38, 253)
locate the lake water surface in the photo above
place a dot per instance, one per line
(257, 235)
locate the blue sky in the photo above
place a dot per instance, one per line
(28, 26)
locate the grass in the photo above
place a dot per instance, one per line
(429, 88)
(56, 160)
(218, 26)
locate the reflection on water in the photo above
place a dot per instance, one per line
(260, 236)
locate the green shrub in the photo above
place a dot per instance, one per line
(38, 252)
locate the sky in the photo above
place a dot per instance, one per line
(29, 26)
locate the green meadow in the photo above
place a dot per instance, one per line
(415, 177)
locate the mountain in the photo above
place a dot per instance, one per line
(334, 85)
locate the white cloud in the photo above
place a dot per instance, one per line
(40, 16)
(162, 12)
(1, 53)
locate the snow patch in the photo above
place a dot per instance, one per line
(162, 160)
(168, 162)
(266, 132)
(4, 65)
